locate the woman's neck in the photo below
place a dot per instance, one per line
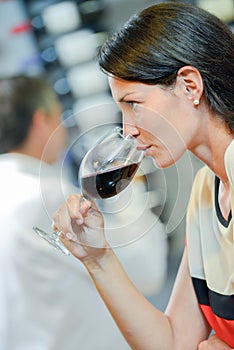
(214, 140)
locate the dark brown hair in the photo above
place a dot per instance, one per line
(154, 44)
(20, 97)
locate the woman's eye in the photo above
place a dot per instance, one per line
(132, 104)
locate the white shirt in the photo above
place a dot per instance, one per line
(47, 300)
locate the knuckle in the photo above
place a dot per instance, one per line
(72, 197)
(66, 228)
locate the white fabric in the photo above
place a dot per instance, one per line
(47, 300)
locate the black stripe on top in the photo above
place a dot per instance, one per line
(221, 305)
(219, 214)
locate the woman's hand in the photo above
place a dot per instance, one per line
(213, 343)
(82, 228)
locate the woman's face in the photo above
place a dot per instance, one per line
(160, 118)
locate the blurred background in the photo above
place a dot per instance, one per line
(59, 39)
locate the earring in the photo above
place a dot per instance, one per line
(196, 102)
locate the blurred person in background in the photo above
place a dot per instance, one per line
(47, 301)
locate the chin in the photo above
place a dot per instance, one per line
(162, 163)
(162, 158)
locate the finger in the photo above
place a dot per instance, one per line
(62, 219)
(69, 236)
(74, 205)
(85, 205)
(78, 207)
(71, 245)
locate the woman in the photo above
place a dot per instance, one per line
(171, 69)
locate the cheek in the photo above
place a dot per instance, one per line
(159, 127)
(167, 144)
(56, 143)
(153, 123)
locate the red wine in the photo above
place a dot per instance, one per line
(108, 183)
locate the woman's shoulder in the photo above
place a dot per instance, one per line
(204, 177)
(202, 190)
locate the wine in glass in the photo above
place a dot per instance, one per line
(109, 167)
(106, 170)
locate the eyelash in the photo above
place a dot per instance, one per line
(132, 104)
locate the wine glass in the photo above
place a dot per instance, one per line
(106, 170)
(109, 167)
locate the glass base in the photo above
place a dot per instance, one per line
(53, 239)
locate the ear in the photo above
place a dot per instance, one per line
(39, 122)
(37, 135)
(191, 82)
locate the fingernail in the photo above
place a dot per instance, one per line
(69, 236)
(87, 202)
(79, 221)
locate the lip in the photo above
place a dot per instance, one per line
(142, 147)
(147, 152)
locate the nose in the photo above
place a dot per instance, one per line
(130, 129)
